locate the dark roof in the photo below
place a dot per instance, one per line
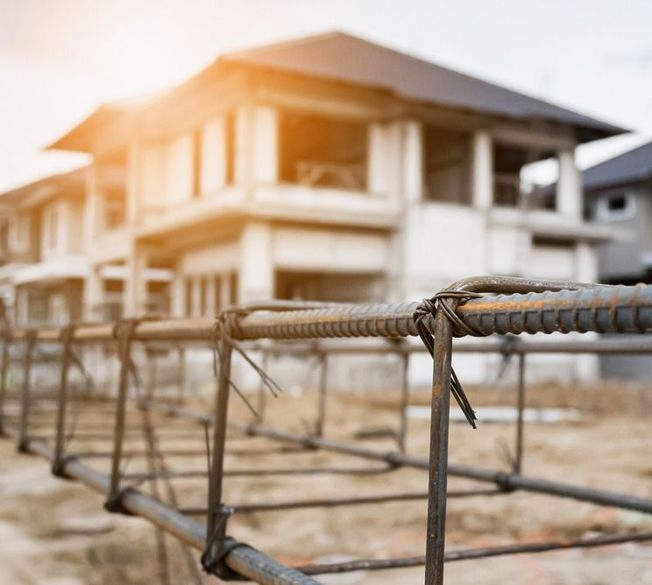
(633, 166)
(345, 58)
(351, 59)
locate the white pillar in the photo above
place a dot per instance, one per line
(482, 171)
(385, 153)
(134, 180)
(256, 270)
(413, 162)
(586, 262)
(22, 308)
(195, 296)
(93, 296)
(210, 310)
(178, 292)
(265, 145)
(135, 285)
(569, 186)
(225, 291)
(93, 208)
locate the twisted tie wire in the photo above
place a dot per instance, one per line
(447, 301)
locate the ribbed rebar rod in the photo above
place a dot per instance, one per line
(607, 309)
(243, 559)
(505, 480)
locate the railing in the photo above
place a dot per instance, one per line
(480, 307)
(339, 175)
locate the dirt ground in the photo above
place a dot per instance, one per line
(54, 532)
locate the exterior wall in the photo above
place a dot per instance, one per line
(625, 259)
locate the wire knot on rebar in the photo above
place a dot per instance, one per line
(447, 301)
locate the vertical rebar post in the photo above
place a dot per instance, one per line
(150, 354)
(405, 399)
(217, 512)
(4, 374)
(323, 392)
(438, 460)
(262, 391)
(520, 406)
(124, 333)
(30, 343)
(60, 428)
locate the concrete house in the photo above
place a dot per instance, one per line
(43, 264)
(44, 243)
(618, 192)
(328, 168)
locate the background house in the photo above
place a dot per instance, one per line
(618, 193)
(44, 266)
(328, 168)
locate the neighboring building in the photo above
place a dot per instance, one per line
(329, 168)
(43, 265)
(618, 192)
(44, 250)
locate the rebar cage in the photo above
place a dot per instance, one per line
(51, 423)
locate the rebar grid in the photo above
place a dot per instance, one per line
(600, 309)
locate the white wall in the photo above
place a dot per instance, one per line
(213, 164)
(329, 250)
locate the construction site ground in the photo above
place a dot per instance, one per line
(55, 532)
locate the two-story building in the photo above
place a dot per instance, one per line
(44, 249)
(44, 266)
(331, 168)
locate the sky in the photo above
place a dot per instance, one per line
(59, 59)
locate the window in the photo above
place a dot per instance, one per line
(446, 166)
(114, 212)
(553, 242)
(323, 152)
(616, 206)
(53, 229)
(617, 203)
(510, 190)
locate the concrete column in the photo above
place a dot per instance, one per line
(482, 172)
(93, 208)
(265, 145)
(135, 284)
(178, 293)
(134, 181)
(569, 186)
(256, 270)
(22, 307)
(195, 297)
(587, 367)
(93, 296)
(210, 310)
(225, 291)
(413, 162)
(243, 140)
(586, 262)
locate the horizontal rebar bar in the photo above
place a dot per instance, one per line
(474, 553)
(617, 309)
(242, 559)
(508, 481)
